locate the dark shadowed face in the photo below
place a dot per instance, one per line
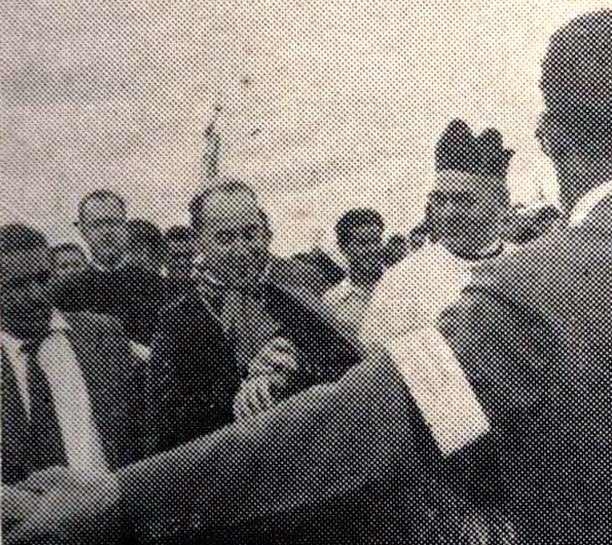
(146, 259)
(68, 262)
(464, 212)
(179, 258)
(24, 275)
(103, 226)
(365, 252)
(234, 240)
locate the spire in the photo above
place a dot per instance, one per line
(210, 159)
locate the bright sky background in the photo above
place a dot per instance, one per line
(327, 103)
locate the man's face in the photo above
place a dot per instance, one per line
(465, 213)
(179, 258)
(26, 310)
(103, 225)
(68, 262)
(365, 252)
(234, 240)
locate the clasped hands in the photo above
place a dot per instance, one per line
(269, 374)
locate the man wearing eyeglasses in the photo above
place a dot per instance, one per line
(66, 413)
(114, 283)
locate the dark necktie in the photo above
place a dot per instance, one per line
(46, 445)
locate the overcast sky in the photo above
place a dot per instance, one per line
(326, 103)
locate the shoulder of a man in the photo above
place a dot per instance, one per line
(295, 274)
(506, 351)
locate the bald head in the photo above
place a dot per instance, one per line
(233, 233)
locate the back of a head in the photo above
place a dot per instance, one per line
(576, 83)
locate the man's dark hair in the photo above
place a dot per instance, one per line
(179, 233)
(196, 208)
(357, 217)
(577, 86)
(67, 247)
(145, 234)
(99, 195)
(17, 237)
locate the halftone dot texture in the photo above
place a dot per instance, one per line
(331, 105)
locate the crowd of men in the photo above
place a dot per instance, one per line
(446, 385)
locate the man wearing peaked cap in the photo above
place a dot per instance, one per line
(513, 387)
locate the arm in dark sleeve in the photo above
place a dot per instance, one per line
(319, 445)
(326, 350)
(161, 397)
(507, 352)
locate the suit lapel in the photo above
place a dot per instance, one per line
(109, 372)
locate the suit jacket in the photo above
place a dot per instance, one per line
(194, 376)
(297, 275)
(113, 380)
(533, 339)
(132, 294)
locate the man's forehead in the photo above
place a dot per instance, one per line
(231, 208)
(368, 230)
(456, 181)
(104, 207)
(24, 262)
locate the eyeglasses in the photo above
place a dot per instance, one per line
(26, 280)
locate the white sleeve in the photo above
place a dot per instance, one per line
(437, 383)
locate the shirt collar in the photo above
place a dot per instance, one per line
(492, 250)
(588, 202)
(207, 277)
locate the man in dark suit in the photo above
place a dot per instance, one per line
(114, 283)
(72, 396)
(511, 396)
(209, 345)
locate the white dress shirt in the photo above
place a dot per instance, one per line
(71, 401)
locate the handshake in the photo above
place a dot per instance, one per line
(270, 376)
